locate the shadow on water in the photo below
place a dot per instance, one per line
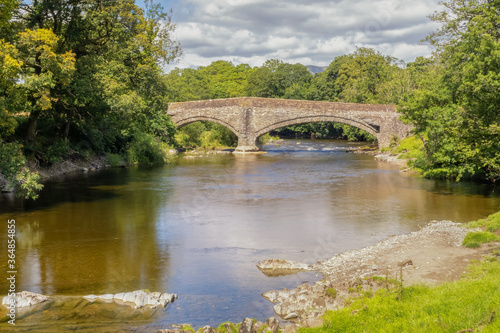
(76, 187)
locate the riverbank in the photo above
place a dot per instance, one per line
(430, 256)
(395, 159)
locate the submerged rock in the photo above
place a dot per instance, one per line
(139, 297)
(24, 299)
(277, 267)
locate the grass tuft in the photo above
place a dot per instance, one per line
(332, 292)
(491, 223)
(475, 239)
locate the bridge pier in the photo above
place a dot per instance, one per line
(247, 144)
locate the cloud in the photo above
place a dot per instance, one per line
(306, 31)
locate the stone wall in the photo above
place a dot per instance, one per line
(251, 117)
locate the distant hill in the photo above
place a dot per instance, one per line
(315, 69)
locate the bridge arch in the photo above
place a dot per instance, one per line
(191, 120)
(372, 129)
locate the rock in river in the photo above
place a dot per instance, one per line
(277, 267)
(24, 299)
(139, 297)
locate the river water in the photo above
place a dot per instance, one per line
(199, 227)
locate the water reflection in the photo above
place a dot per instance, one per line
(199, 228)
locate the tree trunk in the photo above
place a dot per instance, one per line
(32, 126)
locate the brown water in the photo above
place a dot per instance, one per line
(198, 228)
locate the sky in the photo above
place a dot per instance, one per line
(310, 32)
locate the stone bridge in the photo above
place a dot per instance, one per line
(251, 117)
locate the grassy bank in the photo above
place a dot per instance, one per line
(471, 304)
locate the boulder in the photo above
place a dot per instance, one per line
(246, 326)
(291, 328)
(24, 299)
(277, 267)
(273, 324)
(138, 298)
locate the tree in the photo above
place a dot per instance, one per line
(10, 69)
(323, 86)
(456, 104)
(276, 79)
(360, 77)
(43, 68)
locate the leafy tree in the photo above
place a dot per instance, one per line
(456, 103)
(225, 80)
(323, 86)
(360, 77)
(43, 69)
(10, 69)
(86, 74)
(276, 79)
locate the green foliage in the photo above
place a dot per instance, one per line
(324, 130)
(267, 138)
(221, 79)
(475, 239)
(58, 151)
(206, 135)
(116, 160)
(456, 96)
(14, 169)
(147, 149)
(469, 303)
(276, 79)
(361, 77)
(83, 78)
(410, 148)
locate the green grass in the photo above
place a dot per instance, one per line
(491, 223)
(475, 239)
(410, 148)
(470, 303)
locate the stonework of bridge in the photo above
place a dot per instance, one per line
(251, 117)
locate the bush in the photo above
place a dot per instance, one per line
(267, 138)
(145, 149)
(58, 151)
(116, 160)
(205, 135)
(332, 292)
(16, 173)
(209, 139)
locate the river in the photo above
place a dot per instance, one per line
(199, 227)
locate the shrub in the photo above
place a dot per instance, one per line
(116, 160)
(58, 151)
(146, 149)
(16, 173)
(267, 138)
(332, 292)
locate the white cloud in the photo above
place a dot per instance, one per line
(305, 31)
